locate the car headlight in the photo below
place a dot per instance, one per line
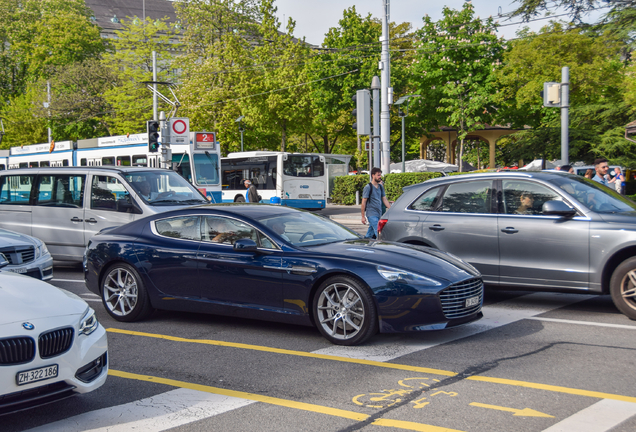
(41, 250)
(393, 274)
(89, 322)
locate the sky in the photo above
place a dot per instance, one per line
(314, 18)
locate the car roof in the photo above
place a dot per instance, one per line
(540, 175)
(101, 168)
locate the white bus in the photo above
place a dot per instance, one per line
(4, 159)
(292, 179)
(197, 161)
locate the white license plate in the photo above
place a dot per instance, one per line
(34, 375)
(18, 270)
(473, 301)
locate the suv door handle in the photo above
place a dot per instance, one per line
(91, 220)
(510, 230)
(436, 227)
(76, 219)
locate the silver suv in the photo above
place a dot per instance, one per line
(546, 231)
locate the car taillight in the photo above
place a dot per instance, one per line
(381, 224)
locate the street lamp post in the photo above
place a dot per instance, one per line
(241, 128)
(403, 114)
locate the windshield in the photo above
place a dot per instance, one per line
(303, 166)
(308, 229)
(163, 188)
(593, 195)
(206, 168)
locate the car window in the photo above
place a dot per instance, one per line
(593, 195)
(523, 197)
(427, 201)
(105, 191)
(186, 227)
(60, 190)
(468, 197)
(16, 189)
(218, 229)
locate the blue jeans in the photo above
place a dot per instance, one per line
(373, 226)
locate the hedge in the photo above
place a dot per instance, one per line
(345, 187)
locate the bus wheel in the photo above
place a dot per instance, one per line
(239, 198)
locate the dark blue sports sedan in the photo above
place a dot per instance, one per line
(279, 264)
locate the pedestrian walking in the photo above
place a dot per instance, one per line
(251, 195)
(373, 196)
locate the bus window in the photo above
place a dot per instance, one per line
(303, 166)
(123, 160)
(15, 189)
(140, 160)
(108, 160)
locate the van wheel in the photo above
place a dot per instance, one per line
(239, 198)
(124, 295)
(344, 311)
(623, 287)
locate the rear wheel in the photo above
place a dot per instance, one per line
(623, 287)
(239, 198)
(344, 311)
(124, 294)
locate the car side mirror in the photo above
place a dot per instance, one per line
(558, 208)
(245, 245)
(3, 261)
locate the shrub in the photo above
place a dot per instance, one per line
(345, 187)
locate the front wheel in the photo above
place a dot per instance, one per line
(623, 288)
(344, 311)
(124, 295)
(240, 199)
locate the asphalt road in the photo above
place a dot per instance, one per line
(536, 362)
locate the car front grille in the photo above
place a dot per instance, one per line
(55, 342)
(18, 255)
(16, 350)
(454, 298)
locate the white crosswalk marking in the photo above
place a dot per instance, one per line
(157, 413)
(600, 417)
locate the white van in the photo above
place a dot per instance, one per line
(66, 206)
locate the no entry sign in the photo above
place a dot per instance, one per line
(180, 130)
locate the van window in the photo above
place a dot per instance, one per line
(16, 189)
(105, 191)
(60, 190)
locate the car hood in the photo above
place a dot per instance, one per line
(24, 298)
(12, 238)
(627, 218)
(418, 259)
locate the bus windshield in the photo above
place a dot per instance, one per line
(303, 166)
(206, 168)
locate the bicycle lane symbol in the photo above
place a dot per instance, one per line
(390, 397)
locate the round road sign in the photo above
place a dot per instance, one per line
(179, 127)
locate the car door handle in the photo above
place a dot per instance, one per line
(510, 230)
(436, 227)
(76, 219)
(91, 220)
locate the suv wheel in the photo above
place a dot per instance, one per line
(623, 287)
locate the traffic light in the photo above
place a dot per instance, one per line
(152, 127)
(362, 98)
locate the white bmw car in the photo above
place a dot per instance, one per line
(26, 255)
(51, 344)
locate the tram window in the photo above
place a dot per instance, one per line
(140, 160)
(45, 164)
(109, 160)
(65, 162)
(2, 167)
(34, 164)
(123, 160)
(23, 165)
(83, 162)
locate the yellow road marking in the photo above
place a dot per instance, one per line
(526, 412)
(351, 415)
(551, 388)
(287, 352)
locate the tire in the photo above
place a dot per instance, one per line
(239, 198)
(124, 295)
(623, 288)
(344, 311)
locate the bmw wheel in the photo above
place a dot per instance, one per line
(124, 294)
(344, 311)
(623, 287)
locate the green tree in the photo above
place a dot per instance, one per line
(131, 61)
(454, 70)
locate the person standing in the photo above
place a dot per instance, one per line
(601, 167)
(251, 195)
(373, 196)
(619, 183)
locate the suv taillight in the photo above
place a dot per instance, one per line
(381, 224)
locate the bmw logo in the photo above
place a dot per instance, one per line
(28, 326)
